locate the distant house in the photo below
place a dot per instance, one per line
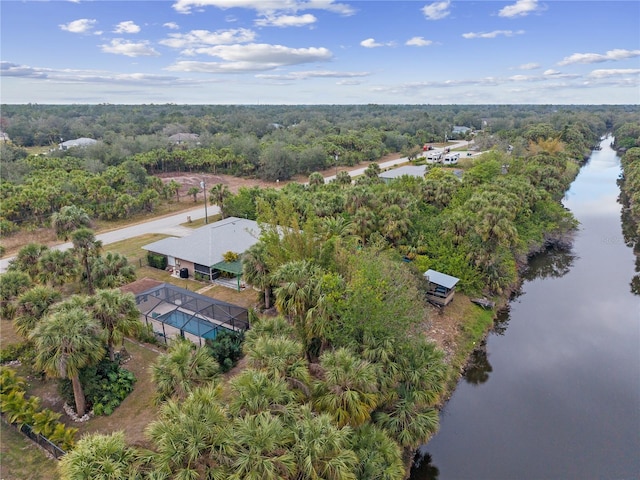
(78, 142)
(202, 252)
(410, 170)
(441, 287)
(180, 138)
(460, 130)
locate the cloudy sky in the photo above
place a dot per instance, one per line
(320, 52)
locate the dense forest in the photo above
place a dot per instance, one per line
(341, 380)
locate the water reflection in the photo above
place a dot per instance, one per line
(478, 369)
(552, 263)
(423, 467)
(630, 233)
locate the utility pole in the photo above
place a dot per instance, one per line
(204, 190)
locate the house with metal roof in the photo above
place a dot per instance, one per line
(202, 253)
(441, 287)
(78, 142)
(410, 170)
(180, 138)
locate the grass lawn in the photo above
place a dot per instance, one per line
(22, 459)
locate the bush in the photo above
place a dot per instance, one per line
(157, 261)
(106, 385)
(226, 348)
(13, 352)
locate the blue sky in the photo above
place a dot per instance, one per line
(320, 52)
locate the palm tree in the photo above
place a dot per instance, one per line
(69, 219)
(57, 267)
(408, 421)
(349, 390)
(262, 448)
(12, 284)
(86, 247)
(27, 259)
(256, 391)
(118, 315)
(316, 179)
(32, 306)
(379, 457)
(194, 191)
(112, 270)
(183, 368)
(65, 342)
(256, 272)
(218, 194)
(192, 437)
(100, 457)
(281, 357)
(322, 450)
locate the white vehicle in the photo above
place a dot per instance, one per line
(434, 157)
(451, 158)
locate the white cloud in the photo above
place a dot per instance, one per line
(83, 25)
(126, 27)
(200, 38)
(529, 66)
(251, 57)
(611, 55)
(269, 6)
(620, 72)
(120, 46)
(171, 25)
(418, 42)
(521, 8)
(371, 43)
(83, 76)
(437, 10)
(494, 34)
(286, 20)
(303, 75)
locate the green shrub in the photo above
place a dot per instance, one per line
(13, 352)
(226, 348)
(105, 385)
(157, 261)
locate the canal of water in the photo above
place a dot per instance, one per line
(555, 392)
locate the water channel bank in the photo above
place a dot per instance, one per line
(556, 392)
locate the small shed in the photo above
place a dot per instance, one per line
(441, 287)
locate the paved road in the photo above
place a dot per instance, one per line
(170, 225)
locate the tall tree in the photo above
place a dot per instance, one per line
(256, 272)
(118, 315)
(27, 259)
(32, 306)
(65, 342)
(86, 247)
(217, 196)
(112, 270)
(69, 219)
(57, 267)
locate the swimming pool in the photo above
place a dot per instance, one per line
(191, 323)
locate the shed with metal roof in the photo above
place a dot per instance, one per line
(441, 287)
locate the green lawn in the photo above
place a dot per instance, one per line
(22, 459)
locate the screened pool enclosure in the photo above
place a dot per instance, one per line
(177, 312)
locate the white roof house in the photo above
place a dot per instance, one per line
(179, 138)
(206, 245)
(78, 142)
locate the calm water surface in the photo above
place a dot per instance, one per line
(556, 392)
